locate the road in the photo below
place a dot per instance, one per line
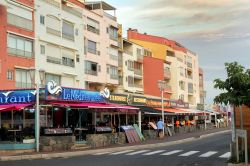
(209, 151)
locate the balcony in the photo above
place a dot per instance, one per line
(139, 58)
(93, 51)
(189, 65)
(128, 52)
(168, 89)
(69, 37)
(138, 72)
(93, 29)
(114, 57)
(54, 60)
(91, 72)
(190, 91)
(52, 3)
(138, 86)
(53, 31)
(114, 77)
(113, 38)
(72, 11)
(167, 74)
(109, 16)
(189, 76)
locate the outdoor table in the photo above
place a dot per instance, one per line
(14, 131)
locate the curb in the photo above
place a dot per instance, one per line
(89, 152)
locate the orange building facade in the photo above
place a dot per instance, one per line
(17, 41)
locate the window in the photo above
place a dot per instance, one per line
(50, 77)
(130, 81)
(42, 49)
(10, 74)
(182, 85)
(42, 20)
(181, 71)
(77, 58)
(91, 68)
(68, 30)
(190, 88)
(68, 61)
(23, 79)
(181, 97)
(18, 21)
(138, 51)
(131, 65)
(92, 47)
(113, 53)
(93, 26)
(113, 72)
(20, 46)
(113, 33)
(53, 25)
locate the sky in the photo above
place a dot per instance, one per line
(217, 30)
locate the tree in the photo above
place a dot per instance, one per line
(236, 89)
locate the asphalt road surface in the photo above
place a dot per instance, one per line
(209, 151)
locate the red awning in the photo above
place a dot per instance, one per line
(95, 105)
(174, 110)
(10, 107)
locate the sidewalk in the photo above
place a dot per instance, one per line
(167, 141)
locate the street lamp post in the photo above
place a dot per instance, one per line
(204, 109)
(35, 80)
(162, 87)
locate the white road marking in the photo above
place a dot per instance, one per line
(138, 152)
(171, 152)
(208, 154)
(189, 153)
(101, 153)
(121, 152)
(154, 152)
(226, 155)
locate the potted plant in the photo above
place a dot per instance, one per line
(29, 140)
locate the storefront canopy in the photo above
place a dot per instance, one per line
(152, 111)
(94, 105)
(11, 107)
(174, 111)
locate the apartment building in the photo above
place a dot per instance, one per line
(101, 46)
(181, 68)
(132, 63)
(59, 41)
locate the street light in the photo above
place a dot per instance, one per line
(162, 87)
(204, 109)
(35, 80)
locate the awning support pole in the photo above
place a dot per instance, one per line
(139, 120)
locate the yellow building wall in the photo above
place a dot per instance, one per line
(158, 50)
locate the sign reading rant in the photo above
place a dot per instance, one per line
(17, 96)
(54, 92)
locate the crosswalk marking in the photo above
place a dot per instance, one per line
(121, 152)
(208, 154)
(189, 153)
(226, 155)
(138, 152)
(171, 152)
(101, 153)
(154, 152)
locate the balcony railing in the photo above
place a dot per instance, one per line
(114, 57)
(128, 52)
(138, 72)
(189, 64)
(114, 77)
(91, 72)
(93, 29)
(140, 58)
(168, 89)
(18, 52)
(190, 91)
(69, 37)
(109, 16)
(93, 51)
(53, 3)
(24, 85)
(113, 37)
(53, 31)
(138, 85)
(54, 60)
(167, 73)
(190, 76)
(72, 11)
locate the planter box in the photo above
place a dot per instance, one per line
(29, 141)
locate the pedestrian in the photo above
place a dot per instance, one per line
(160, 126)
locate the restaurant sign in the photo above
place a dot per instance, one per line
(179, 104)
(17, 96)
(157, 103)
(118, 98)
(55, 92)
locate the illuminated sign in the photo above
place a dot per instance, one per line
(17, 96)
